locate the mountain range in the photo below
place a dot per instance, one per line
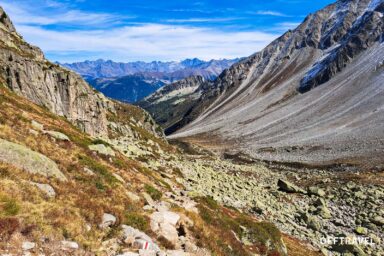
(133, 81)
(280, 155)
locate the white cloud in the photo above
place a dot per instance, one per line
(198, 20)
(76, 17)
(271, 13)
(148, 42)
(134, 42)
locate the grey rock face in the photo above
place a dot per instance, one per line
(25, 71)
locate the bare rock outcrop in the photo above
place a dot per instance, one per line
(25, 71)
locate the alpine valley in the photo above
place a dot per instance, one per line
(280, 153)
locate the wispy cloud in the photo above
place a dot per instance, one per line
(199, 20)
(174, 39)
(20, 15)
(147, 42)
(271, 13)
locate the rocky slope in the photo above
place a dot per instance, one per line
(314, 95)
(169, 104)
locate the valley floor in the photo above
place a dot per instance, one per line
(312, 205)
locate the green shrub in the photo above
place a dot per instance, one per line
(9, 206)
(153, 192)
(98, 168)
(136, 220)
(100, 141)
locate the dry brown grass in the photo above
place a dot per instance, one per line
(83, 199)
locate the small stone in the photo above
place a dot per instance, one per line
(108, 220)
(102, 149)
(316, 191)
(88, 171)
(118, 177)
(324, 212)
(37, 126)
(148, 199)
(28, 246)
(46, 188)
(57, 135)
(133, 196)
(361, 231)
(69, 245)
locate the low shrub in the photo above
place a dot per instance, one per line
(8, 206)
(136, 220)
(8, 226)
(153, 192)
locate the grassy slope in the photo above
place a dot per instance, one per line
(27, 214)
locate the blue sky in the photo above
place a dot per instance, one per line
(130, 30)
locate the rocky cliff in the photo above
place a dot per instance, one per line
(313, 95)
(25, 70)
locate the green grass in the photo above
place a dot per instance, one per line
(98, 168)
(9, 206)
(100, 141)
(153, 192)
(258, 233)
(136, 220)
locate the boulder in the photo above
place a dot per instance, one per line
(69, 245)
(118, 177)
(107, 221)
(26, 246)
(57, 135)
(164, 224)
(28, 160)
(289, 187)
(46, 188)
(316, 191)
(311, 221)
(88, 171)
(361, 231)
(132, 196)
(148, 199)
(102, 149)
(138, 239)
(378, 220)
(346, 249)
(37, 126)
(324, 212)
